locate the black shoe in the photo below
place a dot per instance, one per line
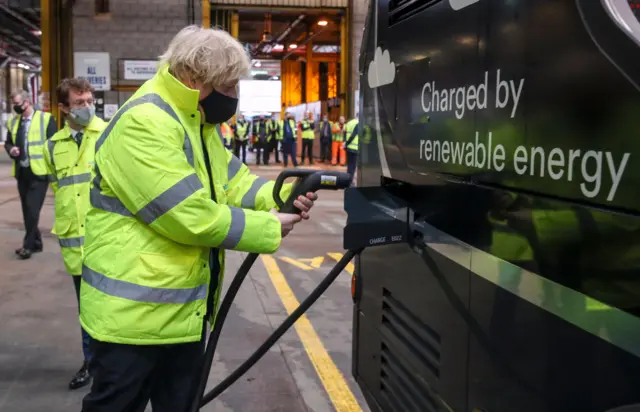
(82, 377)
(24, 253)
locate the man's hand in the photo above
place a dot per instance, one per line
(288, 220)
(14, 152)
(305, 203)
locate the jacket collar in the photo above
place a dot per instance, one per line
(183, 97)
(94, 126)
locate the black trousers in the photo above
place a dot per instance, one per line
(241, 145)
(86, 339)
(307, 147)
(262, 151)
(127, 377)
(274, 148)
(32, 190)
(325, 150)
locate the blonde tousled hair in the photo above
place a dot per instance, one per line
(209, 55)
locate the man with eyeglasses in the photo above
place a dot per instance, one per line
(69, 157)
(25, 143)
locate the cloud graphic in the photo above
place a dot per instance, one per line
(381, 69)
(461, 4)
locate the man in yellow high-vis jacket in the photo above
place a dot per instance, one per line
(25, 143)
(241, 133)
(167, 201)
(307, 126)
(351, 132)
(69, 157)
(274, 129)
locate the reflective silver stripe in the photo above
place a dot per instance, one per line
(42, 135)
(13, 123)
(219, 131)
(249, 198)
(51, 145)
(138, 293)
(236, 229)
(38, 143)
(112, 204)
(188, 149)
(152, 98)
(233, 167)
(71, 241)
(170, 198)
(36, 156)
(108, 203)
(70, 180)
(51, 178)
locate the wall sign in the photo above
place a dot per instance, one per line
(140, 69)
(94, 67)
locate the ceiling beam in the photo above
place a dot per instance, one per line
(19, 17)
(19, 43)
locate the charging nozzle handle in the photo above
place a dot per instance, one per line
(309, 181)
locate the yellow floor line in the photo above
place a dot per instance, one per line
(332, 379)
(337, 256)
(295, 263)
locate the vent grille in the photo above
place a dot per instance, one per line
(403, 390)
(408, 346)
(410, 334)
(400, 10)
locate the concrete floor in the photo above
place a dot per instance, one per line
(40, 338)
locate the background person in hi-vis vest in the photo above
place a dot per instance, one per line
(167, 201)
(69, 157)
(351, 133)
(25, 144)
(307, 126)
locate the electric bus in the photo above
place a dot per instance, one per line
(508, 128)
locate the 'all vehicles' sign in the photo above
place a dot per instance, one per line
(94, 67)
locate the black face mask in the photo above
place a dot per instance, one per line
(18, 108)
(218, 108)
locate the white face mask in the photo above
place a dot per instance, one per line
(82, 115)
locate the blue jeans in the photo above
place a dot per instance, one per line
(289, 148)
(77, 280)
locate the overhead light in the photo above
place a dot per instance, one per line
(278, 47)
(36, 32)
(322, 22)
(293, 46)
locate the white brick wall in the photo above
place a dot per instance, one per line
(138, 29)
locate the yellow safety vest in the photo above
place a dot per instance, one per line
(309, 133)
(70, 172)
(153, 222)
(280, 132)
(36, 136)
(273, 126)
(337, 132)
(241, 131)
(348, 131)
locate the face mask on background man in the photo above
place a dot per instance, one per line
(18, 108)
(82, 115)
